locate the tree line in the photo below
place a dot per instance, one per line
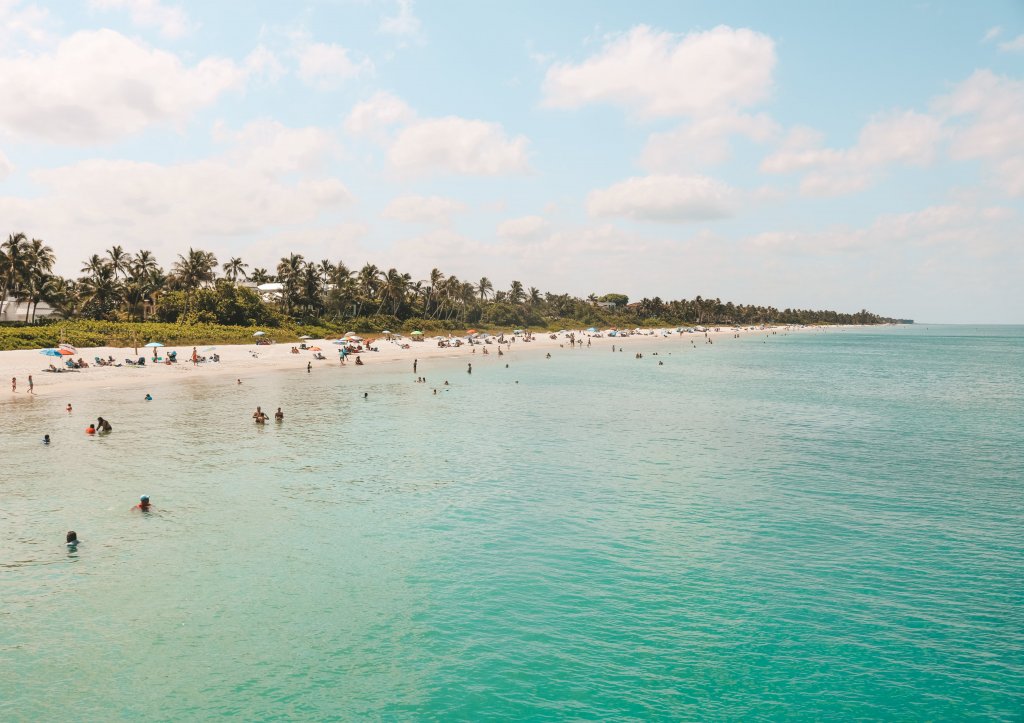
(120, 286)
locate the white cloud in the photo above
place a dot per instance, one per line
(992, 33)
(325, 65)
(423, 209)
(527, 227)
(458, 145)
(262, 61)
(6, 167)
(99, 85)
(986, 113)
(379, 112)
(660, 74)
(897, 138)
(704, 142)
(264, 180)
(1013, 46)
(404, 24)
(664, 198)
(20, 23)
(170, 20)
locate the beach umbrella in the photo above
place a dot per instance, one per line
(210, 348)
(355, 338)
(68, 347)
(304, 336)
(471, 331)
(417, 333)
(65, 352)
(260, 333)
(385, 332)
(154, 344)
(50, 352)
(592, 330)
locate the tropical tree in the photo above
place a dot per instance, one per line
(485, 288)
(191, 270)
(13, 254)
(233, 268)
(516, 294)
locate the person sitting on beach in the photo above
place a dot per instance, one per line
(53, 368)
(71, 539)
(279, 415)
(294, 350)
(359, 362)
(143, 505)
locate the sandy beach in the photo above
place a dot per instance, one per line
(249, 361)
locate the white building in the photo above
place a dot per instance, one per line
(16, 311)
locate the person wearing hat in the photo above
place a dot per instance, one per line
(143, 504)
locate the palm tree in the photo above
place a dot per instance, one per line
(533, 296)
(189, 272)
(260, 276)
(119, 260)
(368, 281)
(39, 260)
(234, 268)
(12, 263)
(516, 294)
(484, 287)
(288, 273)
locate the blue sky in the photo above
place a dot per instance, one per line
(828, 155)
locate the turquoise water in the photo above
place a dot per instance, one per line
(822, 525)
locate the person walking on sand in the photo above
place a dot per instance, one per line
(31, 386)
(309, 367)
(415, 363)
(14, 384)
(195, 357)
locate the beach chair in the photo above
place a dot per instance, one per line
(99, 362)
(141, 362)
(69, 364)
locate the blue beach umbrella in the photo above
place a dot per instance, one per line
(591, 330)
(154, 344)
(50, 352)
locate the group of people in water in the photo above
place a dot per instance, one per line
(260, 417)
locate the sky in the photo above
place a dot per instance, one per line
(840, 155)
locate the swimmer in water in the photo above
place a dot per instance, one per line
(149, 397)
(143, 505)
(279, 415)
(103, 425)
(238, 381)
(72, 539)
(46, 439)
(69, 409)
(91, 429)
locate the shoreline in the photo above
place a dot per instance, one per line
(250, 361)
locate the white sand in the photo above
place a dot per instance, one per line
(238, 361)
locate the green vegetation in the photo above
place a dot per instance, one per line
(121, 298)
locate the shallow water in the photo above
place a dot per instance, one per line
(812, 525)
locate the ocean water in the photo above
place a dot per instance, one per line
(813, 525)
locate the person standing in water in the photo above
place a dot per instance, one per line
(469, 369)
(71, 539)
(279, 415)
(143, 505)
(46, 439)
(415, 363)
